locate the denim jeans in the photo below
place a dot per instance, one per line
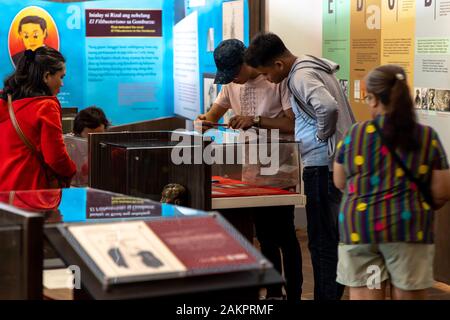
(322, 209)
(275, 230)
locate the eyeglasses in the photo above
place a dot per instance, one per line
(367, 99)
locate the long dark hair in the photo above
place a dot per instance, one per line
(28, 79)
(91, 118)
(388, 84)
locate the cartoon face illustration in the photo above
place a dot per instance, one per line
(33, 32)
(31, 28)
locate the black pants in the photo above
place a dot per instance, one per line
(275, 230)
(322, 209)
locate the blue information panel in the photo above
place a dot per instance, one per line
(119, 54)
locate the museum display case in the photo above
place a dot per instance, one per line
(133, 248)
(77, 147)
(140, 164)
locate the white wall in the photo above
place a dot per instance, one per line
(298, 23)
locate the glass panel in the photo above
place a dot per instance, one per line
(78, 151)
(252, 160)
(90, 205)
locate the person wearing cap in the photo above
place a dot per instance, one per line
(259, 103)
(255, 101)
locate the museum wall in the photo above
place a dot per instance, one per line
(298, 23)
(362, 35)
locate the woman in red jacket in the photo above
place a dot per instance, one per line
(33, 88)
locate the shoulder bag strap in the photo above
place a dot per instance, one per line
(406, 170)
(20, 133)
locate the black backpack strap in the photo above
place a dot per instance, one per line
(423, 188)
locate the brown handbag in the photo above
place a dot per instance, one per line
(55, 182)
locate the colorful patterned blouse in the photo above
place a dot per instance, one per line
(380, 204)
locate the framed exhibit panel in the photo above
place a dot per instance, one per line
(207, 287)
(188, 258)
(233, 20)
(127, 247)
(136, 251)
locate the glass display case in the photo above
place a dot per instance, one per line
(142, 164)
(211, 167)
(132, 248)
(254, 168)
(77, 148)
(256, 160)
(156, 249)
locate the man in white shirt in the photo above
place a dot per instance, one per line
(258, 103)
(254, 100)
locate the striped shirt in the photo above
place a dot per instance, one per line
(380, 204)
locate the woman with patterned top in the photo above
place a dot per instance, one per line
(394, 174)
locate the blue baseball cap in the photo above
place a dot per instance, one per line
(229, 57)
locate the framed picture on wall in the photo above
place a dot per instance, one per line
(210, 91)
(233, 20)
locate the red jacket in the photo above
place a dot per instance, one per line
(40, 120)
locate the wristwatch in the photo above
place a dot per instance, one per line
(320, 140)
(257, 121)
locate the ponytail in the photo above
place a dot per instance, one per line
(401, 121)
(388, 84)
